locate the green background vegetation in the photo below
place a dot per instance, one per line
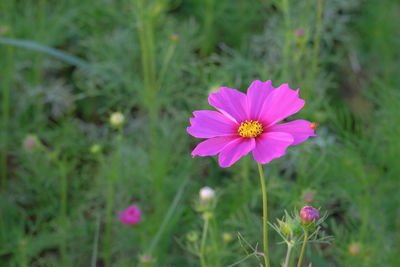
(156, 61)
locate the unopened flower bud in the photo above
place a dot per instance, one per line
(94, 149)
(146, 259)
(22, 243)
(174, 37)
(131, 216)
(30, 142)
(308, 197)
(117, 119)
(206, 194)
(192, 236)
(227, 237)
(354, 249)
(214, 89)
(3, 29)
(309, 214)
(299, 32)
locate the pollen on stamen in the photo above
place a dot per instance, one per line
(250, 128)
(313, 125)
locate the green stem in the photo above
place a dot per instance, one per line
(95, 242)
(246, 179)
(289, 250)
(22, 253)
(165, 64)
(110, 199)
(265, 230)
(303, 248)
(63, 214)
(317, 39)
(146, 40)
(5, 115)
(209, 28)
(203, 241)
(288, 35)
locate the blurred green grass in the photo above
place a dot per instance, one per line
(139, 68)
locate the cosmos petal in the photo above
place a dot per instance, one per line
(208, 124)
(212, 146)
(233, 151)
(300, 130)
(271, 145)
(256, 96)
(280, 104)
(230, 102)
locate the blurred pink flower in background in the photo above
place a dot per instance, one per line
(247, 123)
(131, 216)
(30, 142)
(300, 32)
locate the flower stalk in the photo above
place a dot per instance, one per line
(5, 114)
(63, 213)
(288, 34)
(265, 230)
(110, 199)
(203, 239)
(289, 250)
(303, 248)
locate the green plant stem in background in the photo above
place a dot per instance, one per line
(110, 200)
(203, 240)
(317, 39)
(303, 248)
(22, 253)
(289, 250)
(165, 64)
(37, 70)
(96, 242)
(365, 203)
(146, 39)
(216, 246)
(300, 51)
(5, 87)
(265, 229)
(245, 178)
(288, 35)
(209, 27)
(63, 213)
(168, 217)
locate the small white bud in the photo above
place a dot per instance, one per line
(206, 193)
(117, 119)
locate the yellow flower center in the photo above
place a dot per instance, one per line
(250, 129)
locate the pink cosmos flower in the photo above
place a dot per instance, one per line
(131, 216)
(247, 123)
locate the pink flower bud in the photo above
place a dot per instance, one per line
(309, 214)
(354, 249)
(299, 32)
(131, 216)
(146, 259)
(29, 142)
